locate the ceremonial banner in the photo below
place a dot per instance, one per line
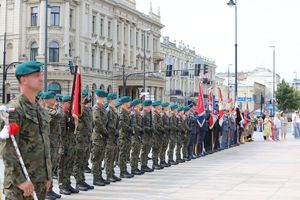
(77, 110)
(212, 109)
(221, 109)
(200, 107)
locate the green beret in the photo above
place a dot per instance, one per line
(30, 67)
(66, 98)
(101, 93)
(181, 108)
(173, 107)
(135, 102)
(106, 104)
(118, 104)
(186, 108)
(48, 95)
(125, 99)
(156, 103)
(165, 104)
(147, 103)
(85, 93)
(111, 96)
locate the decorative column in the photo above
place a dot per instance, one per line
(128, 46)
(134, 47)
(115, 41)
(42, 11)
(122, 43)
(67, 29)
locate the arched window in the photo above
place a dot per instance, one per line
(102, 87)
(33, 51)
(54, 52)
(109, 89)
(55, 87)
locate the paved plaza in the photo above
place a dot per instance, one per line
(257, 170)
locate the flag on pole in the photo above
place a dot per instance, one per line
(200, 107)
(246, 121)
(221, 109)
(77, 110)
(212, 109)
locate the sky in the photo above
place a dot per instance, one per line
(208, 25)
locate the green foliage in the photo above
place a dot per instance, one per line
(287, 97)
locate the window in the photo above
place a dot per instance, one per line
(118, 32)
(55, 15)
(101, 26)
(70, 50)
(94, 24)
(137, 38)
(131, 37)
(33, 51)
(109, 29)
(142, 41)
(93, 58)
(124, 38)
(71, 18)
(108, 61)
(101, 59)
(34, 16)
(147, 42)
(53, 52)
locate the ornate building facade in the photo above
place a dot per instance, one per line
(103, 37)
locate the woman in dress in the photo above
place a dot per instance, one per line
(284, 123)
(267, 132)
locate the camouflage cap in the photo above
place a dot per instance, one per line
(27, 68)
(118, 104)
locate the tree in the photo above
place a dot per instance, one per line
(287, 97)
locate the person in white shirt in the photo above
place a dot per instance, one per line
(277, 124)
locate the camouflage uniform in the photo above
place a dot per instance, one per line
(82, 134)
(99, 138)
(179, 138)
(186, 136)
(67, 151)
(125, 134)
(147, 137)
(173, 136)
(136, 140)
(111, 153)
(158, 135)
(34, 145)
(165, 137)
(56, 115)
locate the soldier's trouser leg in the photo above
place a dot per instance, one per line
(124, 154)
(135, 153)
(70, 164)
(178, 146)
(110, 159)
(14, 193)
(98, 153)
(172, 144)
(146, 148)
(185, 145)
(79, 165)
(54, 159)
(164, 147)
(156, 149)
(88, 154)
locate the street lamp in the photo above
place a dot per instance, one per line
(5, 69)
(274, 80)
(232, 3)
(145, 31)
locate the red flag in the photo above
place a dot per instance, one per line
(221, 109)
(77, 95)
(200, 107)
(246, 121)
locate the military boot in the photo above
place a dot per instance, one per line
(116, 178)
(81, 187)
(73, 190)
(136, 172)
(90, 187)
(147, 169)
(99, 182)
(65, 191)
